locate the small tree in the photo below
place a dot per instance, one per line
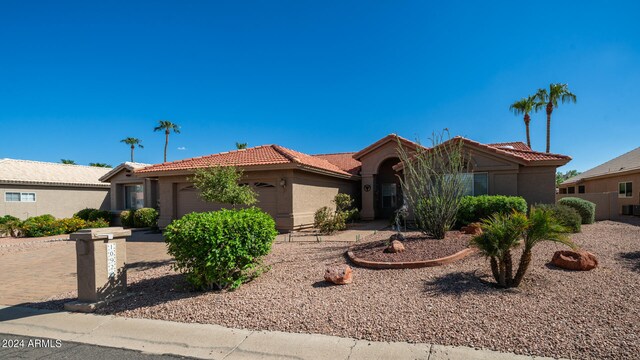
(503, 232)
(220, 184)
(432, 183)
(68, 161)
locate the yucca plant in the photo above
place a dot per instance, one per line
(502, 233)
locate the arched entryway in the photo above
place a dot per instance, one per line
(388, 190)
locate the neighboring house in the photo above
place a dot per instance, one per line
(614, 184)
(292, 185)
(31, 188)
(129, 191)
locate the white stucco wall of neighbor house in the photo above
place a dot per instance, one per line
(58, 201)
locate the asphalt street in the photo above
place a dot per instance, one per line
(23, 347)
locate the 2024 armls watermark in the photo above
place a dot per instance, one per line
(30, 343)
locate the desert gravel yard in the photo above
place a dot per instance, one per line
(579, 315)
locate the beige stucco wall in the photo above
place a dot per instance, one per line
(537, 184)
(60, 202)
(293, 205)
(607, 207)
(310, 192)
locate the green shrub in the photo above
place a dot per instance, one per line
(586, 209)
(220, 249)
(99, 223)
(353, 215)
(10, 225)
(145, 217)
(126, 217)
(343, 202)
(475, 208)
(43, 225)
(328, 221)
(84, 213)
(566, 216)
(69, 225)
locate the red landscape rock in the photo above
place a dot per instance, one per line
(395, 247)
(338, 274)
(472, 229)
(574, 260)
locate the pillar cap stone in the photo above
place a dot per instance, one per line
(107, 233)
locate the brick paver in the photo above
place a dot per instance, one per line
(36, 273)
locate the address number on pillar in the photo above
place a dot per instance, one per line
(111, 260)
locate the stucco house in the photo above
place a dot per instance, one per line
(31, 188)
(292, 185)
(129, 191)
(614, 185)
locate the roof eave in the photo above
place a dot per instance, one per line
(53, 183)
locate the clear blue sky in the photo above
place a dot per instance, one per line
(315, 76)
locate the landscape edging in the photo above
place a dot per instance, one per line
(410, 264)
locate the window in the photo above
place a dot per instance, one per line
(133, 196)
(389, 195)
(571, 189)
(581, 189)
(475, 184)
(563, 190)
(19, 197)
(625, 189)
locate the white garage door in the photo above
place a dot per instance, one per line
(189, 201)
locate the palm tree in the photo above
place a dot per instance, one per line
(241, 146)
(502, 233)
(133, 142)
(102, 165)
(526, 106)
(68, 162)
(556, 92)
(167, 126)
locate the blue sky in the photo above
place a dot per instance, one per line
(315, 76)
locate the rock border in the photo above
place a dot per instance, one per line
(410, 264)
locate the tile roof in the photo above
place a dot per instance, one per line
(519, 151)
(629, 161)
(259, 155)
(344, 161)
(517, 145)
(384, 140)
(14, 171)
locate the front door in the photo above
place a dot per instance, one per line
(389, 198)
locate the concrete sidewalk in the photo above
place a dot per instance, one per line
(217, 342)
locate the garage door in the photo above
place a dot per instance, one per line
(188, 200)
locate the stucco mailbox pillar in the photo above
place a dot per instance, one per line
(101, 256)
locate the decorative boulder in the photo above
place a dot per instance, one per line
(574, 260)
(338, 274)
(397, 236)
(395, 247)
(472, 229)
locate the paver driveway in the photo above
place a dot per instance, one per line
(32, 271)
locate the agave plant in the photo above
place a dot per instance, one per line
(502, 233)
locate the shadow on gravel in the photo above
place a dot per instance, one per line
(148, 265)
(630, 260)
(460, 283)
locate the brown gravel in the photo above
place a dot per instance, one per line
(418, 247)
(11, 245)
(580, 315)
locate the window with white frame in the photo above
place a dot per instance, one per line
(625, 189)
(19, 197)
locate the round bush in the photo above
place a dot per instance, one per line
(145, 217)
(566, 216)
(43, 225)
(220, 249)
(84, 213)
(126, 217)
(475, 208)
(586, 209)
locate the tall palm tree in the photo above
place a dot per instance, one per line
(525, 106)
(241, 146)
(133, 142)
(167, 126)
(556, 92)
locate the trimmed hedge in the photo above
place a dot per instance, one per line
(586, 209)
(145, 217)
(566, 216)
(47, 225)
(220, 249)
(475, 208)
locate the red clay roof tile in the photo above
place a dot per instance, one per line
(344, 161)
